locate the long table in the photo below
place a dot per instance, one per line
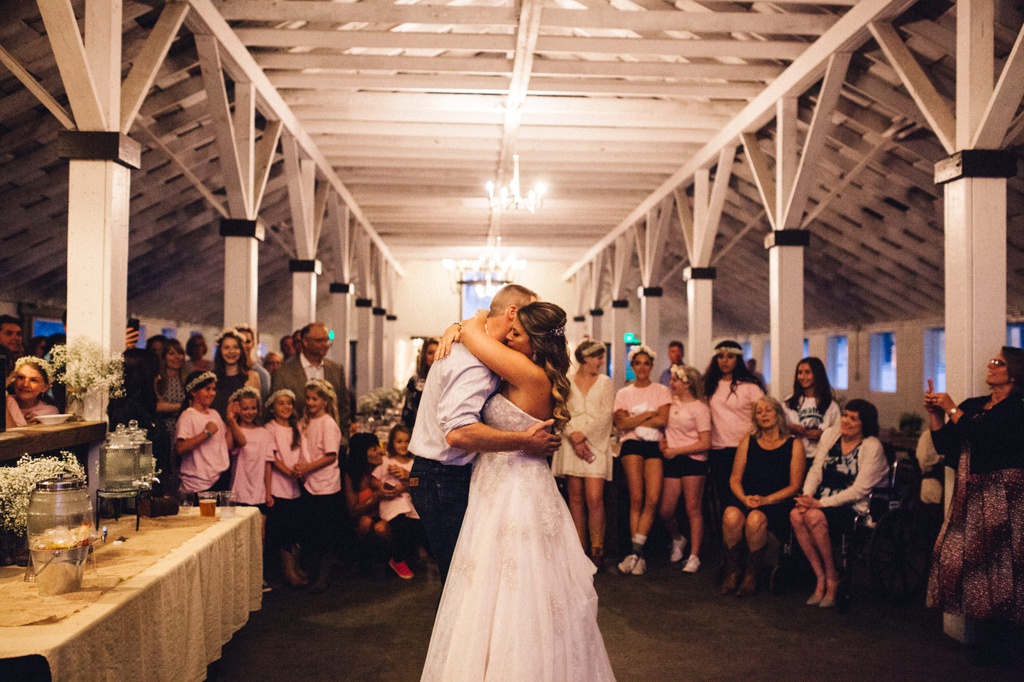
(167, 622)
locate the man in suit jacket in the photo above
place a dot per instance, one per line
(312, 363)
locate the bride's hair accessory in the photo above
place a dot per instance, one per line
(199, 381)
(558, 331)
(245, 392)
(45, 368)
(287, 392)
(641, 350)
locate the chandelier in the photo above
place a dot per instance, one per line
(510, 196)
(488, 272)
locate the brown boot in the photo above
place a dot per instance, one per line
(754, 563)
(732, 568)
(323, 576)
(290, 570)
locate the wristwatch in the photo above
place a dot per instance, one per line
(953, 411)
(209, 433)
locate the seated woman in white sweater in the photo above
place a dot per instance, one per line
(849, 462)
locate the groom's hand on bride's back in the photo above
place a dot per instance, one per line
(538, 441)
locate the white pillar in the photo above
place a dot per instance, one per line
(786, 302)
(379, 345)
(241, 270)
(364, 347)
(975, 271)
(390, 331)
(339, 352)
(579, 329)
(597, 332)
(618, 321)
(304, 274)
(699, 289)
(650, 325)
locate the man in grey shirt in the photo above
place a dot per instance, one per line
(449, 434)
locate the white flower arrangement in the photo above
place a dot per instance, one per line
(376, 403)
(18, 482)
(81, 367)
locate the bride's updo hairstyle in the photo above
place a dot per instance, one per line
(544, 323)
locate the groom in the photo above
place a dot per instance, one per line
(449, 434)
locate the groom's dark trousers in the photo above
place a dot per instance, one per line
(440, 493)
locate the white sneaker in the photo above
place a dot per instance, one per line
(641, 566)
(692, 565)
(677, 549)
(628, 564)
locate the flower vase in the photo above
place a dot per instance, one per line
(89, 406)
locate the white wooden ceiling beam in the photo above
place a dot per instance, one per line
(211, 199)
(846, 35)
(301, 176)
(932, 105)
(103, 50)
(205, 19)
(658, 20)
(995, 122)
(975, 67)
(764, 180)
(340, 236)
(814, 142)
(649, 68)
(786, 155)
(236, 185)
(263, 159)
(685, 219)
(490, 42)
(704, 238)
(146, 65)
(497, 85)
(73, 62)
(36, 88)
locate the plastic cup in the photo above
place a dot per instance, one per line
(208, 504)
(227, 504)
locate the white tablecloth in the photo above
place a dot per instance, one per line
(168, 622)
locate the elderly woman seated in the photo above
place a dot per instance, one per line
(849, 462)
(30, 382)
(766, 474)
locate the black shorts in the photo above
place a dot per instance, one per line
(681, 466)
(776, 514)
(648, 449)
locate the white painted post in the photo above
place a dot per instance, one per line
(390, 332)
(379, 347)
(339, 321)
(619, 320)
(597, 332)
(364, 346)
(650, 326)
(304, 276)
(241, 280)
(786, 301)
(699, 290)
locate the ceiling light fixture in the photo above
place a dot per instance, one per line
(510, 197)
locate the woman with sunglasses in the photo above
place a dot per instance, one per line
(978, 562)
(732, 390)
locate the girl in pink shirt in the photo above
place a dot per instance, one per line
(254, 451)
(685, 448)
(731, 390)
(405, 531)
(284, 502)
(641, 412)
(321, 478)
(203, 440)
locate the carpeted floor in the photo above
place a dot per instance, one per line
(663, 626)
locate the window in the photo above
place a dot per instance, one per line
(883, 362)
(477, 291)
(807, 348)
(935, 358)
(1015, 334)
(837, 359)
(170, 332)
(42, 326)
(766, 365)
(748, 350)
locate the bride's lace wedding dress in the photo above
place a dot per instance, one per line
(519, 603)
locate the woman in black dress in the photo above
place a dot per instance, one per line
(767, 473)
(414, 389)
(978, 563)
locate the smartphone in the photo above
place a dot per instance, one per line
(133, 323)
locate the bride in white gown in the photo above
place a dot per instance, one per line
(519, 603)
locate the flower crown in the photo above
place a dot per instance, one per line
(199, 381)
(324, 386)
(42, 365)
(679, 372)
(245, 392)
(277, 394)
(641, 350)
(225, 333)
